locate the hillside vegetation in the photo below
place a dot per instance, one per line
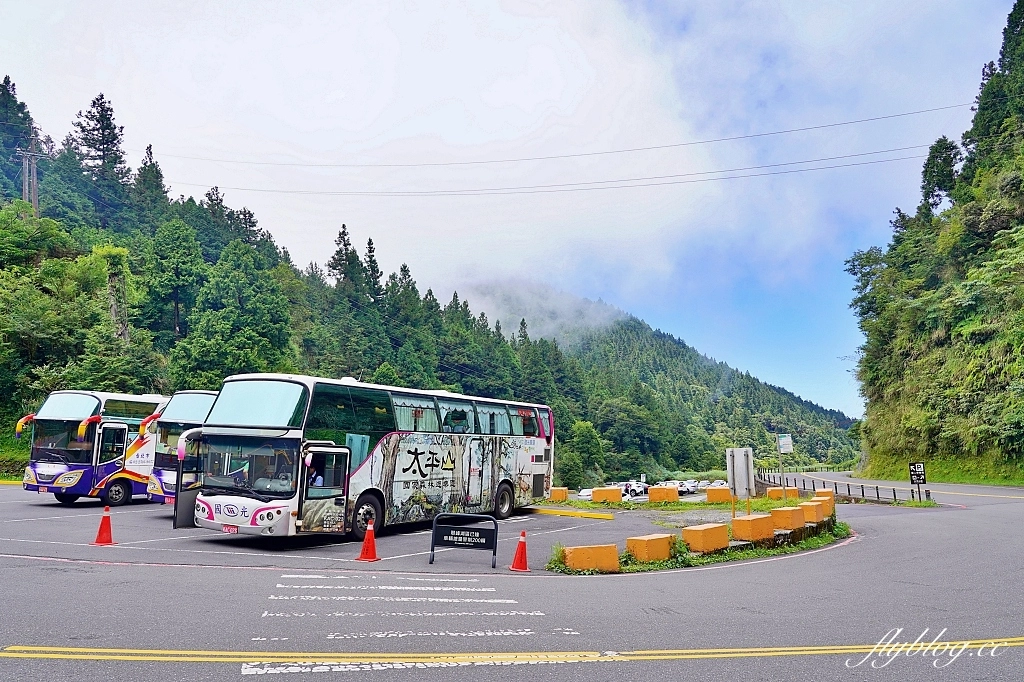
(117, 286)
(942, 307)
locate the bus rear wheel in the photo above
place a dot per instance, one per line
(367, 509)
(119, 492)
(64, 498)
(503, 503)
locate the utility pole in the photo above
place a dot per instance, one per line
(30, 175)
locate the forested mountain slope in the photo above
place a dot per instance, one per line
(118, 286)
(942, 307)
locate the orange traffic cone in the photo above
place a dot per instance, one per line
(519, 560)
(369, 552)
(103, 536)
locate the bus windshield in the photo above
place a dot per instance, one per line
(260, 403)
(263, 468)
(56, 440)
(188, 408)
(166, 457)
(75, 406)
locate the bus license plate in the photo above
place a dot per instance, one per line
(43, 489)
(230, 530)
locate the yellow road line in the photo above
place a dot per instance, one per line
(608, 516)
(205, 656)
(10, 482)
(890, 487)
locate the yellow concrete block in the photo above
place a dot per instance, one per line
(825, 492)
(813, 512)
(707, 537)
(612, 494)
(776, 493)
(753, 527)
(788, 518)
(604, 558)
(828, 505)
(719, 495)
(657, 493)
(655, 547)
(559, 494)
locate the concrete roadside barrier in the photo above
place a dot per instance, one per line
(753, 528)
(788, 518)
(828, 505)
(813, 512)
(611, 494)
(707, 537)
(559, 494)
(654, 547)
(776, 493)
(825, 492)
(658, 493)
(603, 558)
(719, 494)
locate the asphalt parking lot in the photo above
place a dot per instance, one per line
(36, 525)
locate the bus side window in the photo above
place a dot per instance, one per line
(545, 423)
(529, 417)
(456, 416)
(493, 419)
(374, 420)
(112, 444)
(415, 413)
(331, 415)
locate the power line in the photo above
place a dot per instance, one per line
(561, 187)
(574, 155)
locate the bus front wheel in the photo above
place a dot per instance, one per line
(367, 509)
(503, 504)
(119, 492)
(64, 498)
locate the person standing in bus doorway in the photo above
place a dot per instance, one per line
(316, 471)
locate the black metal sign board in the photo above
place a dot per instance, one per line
(917, 476)
(465, 537)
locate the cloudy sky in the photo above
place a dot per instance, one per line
(379, 115)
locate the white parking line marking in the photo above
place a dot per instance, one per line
(403, 614)
(139, 542)
(417, 588)
(346, 597)
(445, 580)
(397, 634)
(74, 516)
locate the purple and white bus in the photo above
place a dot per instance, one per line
(87, 444)
(282, 454)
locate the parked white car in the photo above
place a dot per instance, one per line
(703, 484)
(719, 483)
(586, 494)
(688, 486)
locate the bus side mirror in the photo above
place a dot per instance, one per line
(308, 459)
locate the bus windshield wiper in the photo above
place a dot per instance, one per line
(236, 490)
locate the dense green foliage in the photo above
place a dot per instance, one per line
(117, 286)
(942, 307)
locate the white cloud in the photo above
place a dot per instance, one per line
(410, 82)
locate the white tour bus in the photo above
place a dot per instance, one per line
(281, 454)
(186, 410)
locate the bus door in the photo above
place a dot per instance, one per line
(186, 489)
(475, 468)
(323, 497)
(112, 442)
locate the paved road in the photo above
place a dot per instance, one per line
(193, 605)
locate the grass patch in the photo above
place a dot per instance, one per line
(682, 558)
(914, 503)
(987, 469)
(758, 504)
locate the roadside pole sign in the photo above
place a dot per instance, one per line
(465, 537)
(917, 476)
(785, 443)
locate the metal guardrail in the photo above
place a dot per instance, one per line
(862, 491)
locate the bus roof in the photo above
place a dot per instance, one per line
(349, 381)
(104, 396)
